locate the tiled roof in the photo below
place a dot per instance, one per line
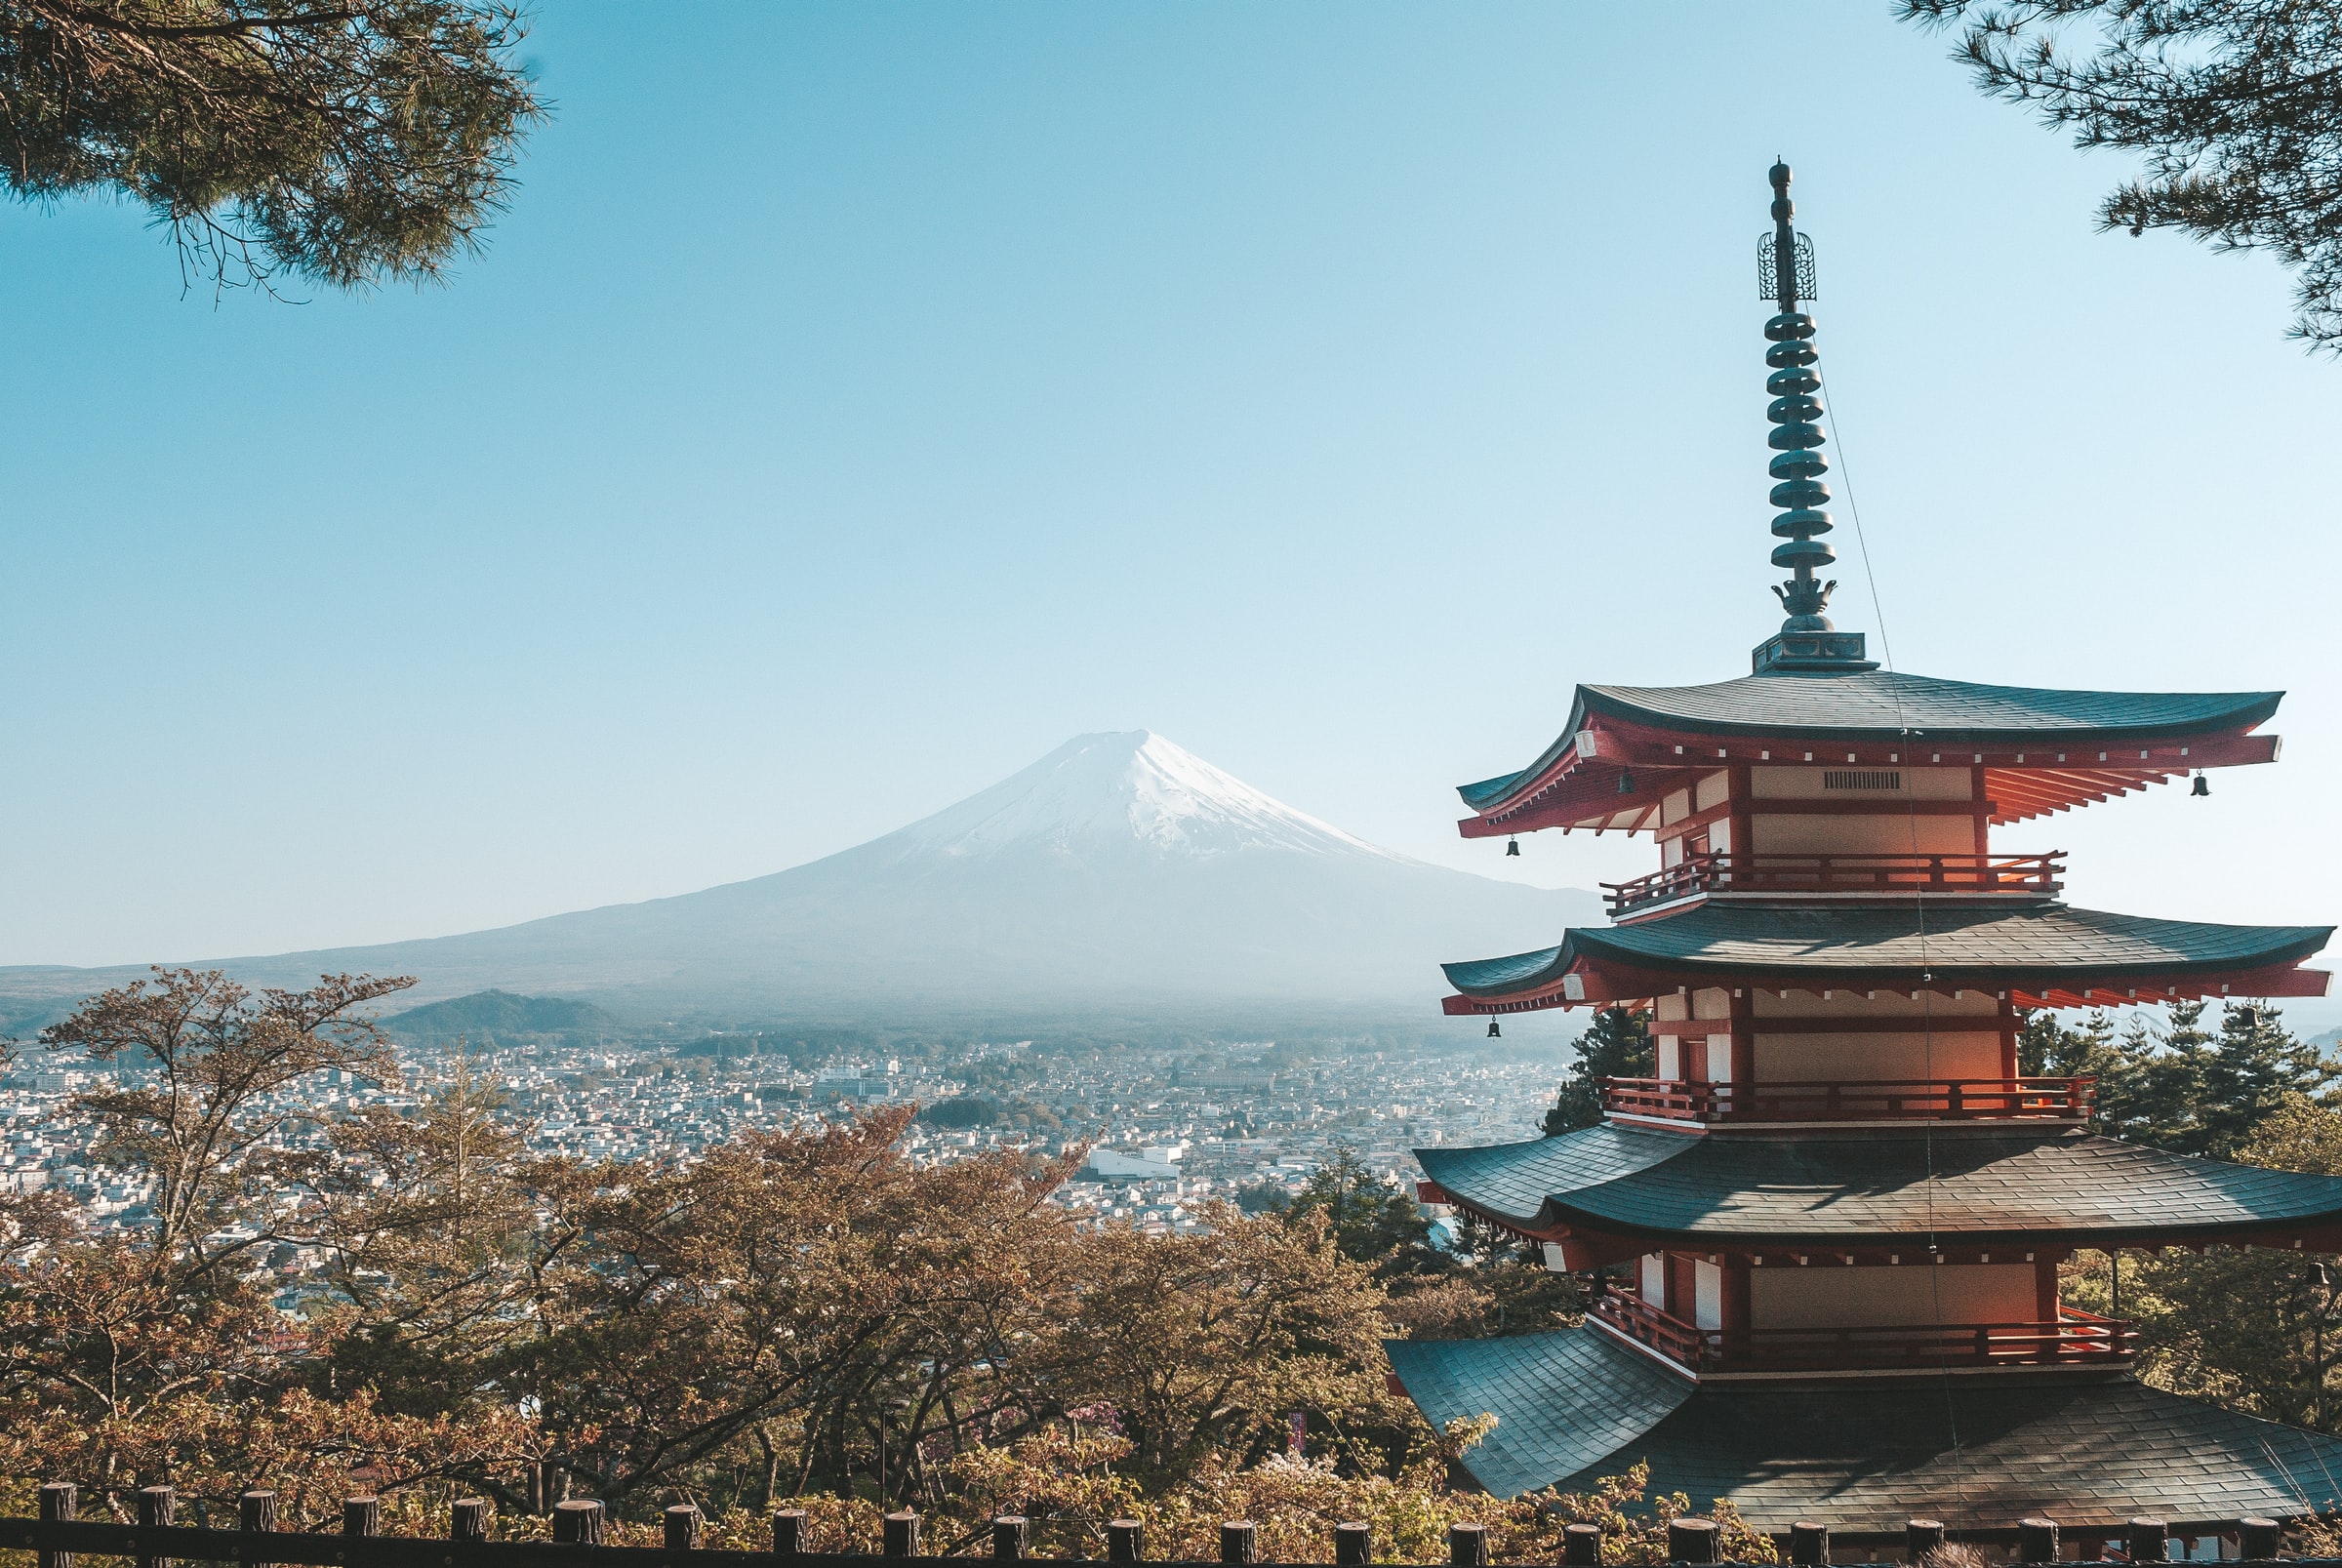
(1992, 948)
(1870, 1455)
(1886, 1189)
(1881, 705)
(1563, 1402)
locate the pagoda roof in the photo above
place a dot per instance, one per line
(1881, 705)
(2043, 952)
(1865, 1455)
(1881, 1191)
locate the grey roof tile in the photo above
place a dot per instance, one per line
(1879, 1190)
(1988, 949)
(1574, 1406)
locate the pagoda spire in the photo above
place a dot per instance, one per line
(1784, 274)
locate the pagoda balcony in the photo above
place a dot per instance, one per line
(2060, 1100)
(1724, 871)
(2076, 1338)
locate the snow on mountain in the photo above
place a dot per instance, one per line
(1117, 874)
(1115, 792)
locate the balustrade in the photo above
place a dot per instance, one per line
(1855, 1100)
(1733, 871)
(2076, 1339)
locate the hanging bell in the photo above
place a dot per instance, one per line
(1512, 846)
(1626, 781)
(2202, 786)
(1494, 1033)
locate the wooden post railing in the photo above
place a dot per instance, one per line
(58, 1535)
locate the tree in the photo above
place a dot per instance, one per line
(2236, 104)
(1372, 1221)
(344, 144)
(1618, 1045)
(2255, 1328)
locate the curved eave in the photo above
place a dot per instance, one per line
(2059, 717)
(1608, 1192)
(1582, 781)
(2049, 956)
(1572, 1406)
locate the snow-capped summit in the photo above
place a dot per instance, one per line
(1116, 790)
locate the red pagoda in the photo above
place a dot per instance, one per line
(1832, 1224)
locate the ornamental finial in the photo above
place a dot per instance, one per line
(1785, 276)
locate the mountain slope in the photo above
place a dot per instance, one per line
(1120, 871)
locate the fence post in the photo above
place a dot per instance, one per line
(467, 1520)
(2259, 1540)
(158, 1510)
(1809, 1544)
(2148, 1540)
(1467, 1546)
(1922, 1536)
(1123, 1541)
(256, 1515)
(578, 1522)
(1008, 1537)
(1237, 1540)
(788, 1532)
(361, 1515)
(58, 1504)
(1354, 1544)
(1691, 1540)
(902, 1535)
(2036, 1541)
(1582, 1545)
(682, 1525)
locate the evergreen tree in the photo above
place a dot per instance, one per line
(1618, 1045)
(2236, 106)
(1372, 1221)
(345, 144)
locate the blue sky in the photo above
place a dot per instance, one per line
(860, 400)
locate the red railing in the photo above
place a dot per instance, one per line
(1855, 1100)
(1732, 871)
(2077, 1338)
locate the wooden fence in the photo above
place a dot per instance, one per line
(158, 1541)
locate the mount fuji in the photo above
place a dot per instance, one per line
(1119, 874)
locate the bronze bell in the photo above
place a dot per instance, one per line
(1626, 781)
(1512, 846)
(2204, 785)
(1494, 1033)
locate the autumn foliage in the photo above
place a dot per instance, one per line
(805, 1318)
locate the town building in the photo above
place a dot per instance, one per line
(1831, 1225)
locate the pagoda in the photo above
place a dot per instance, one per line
(1828, 1231)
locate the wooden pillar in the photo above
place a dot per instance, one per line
(1743, 1043)
(1008, 1538)
(788, 1532)
(1354, 1544)
(1582, 1545)
(578, 1522)
(2044, 1286)
(57, 1505)
(680, 1527)
(2036, 1541)
(467, 1520)
(362, 1516)
(1809, 1544)
(2259, 1540)
(255, 1512)
(1467, 1545)
(158, 1510)
(900, 1535)
(1984, 814)
(1691, 1540)
(1122, 1542)
(2008, 1039)
(1238, 1543)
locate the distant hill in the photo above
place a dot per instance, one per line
(1120, 877)
(493, 1015)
